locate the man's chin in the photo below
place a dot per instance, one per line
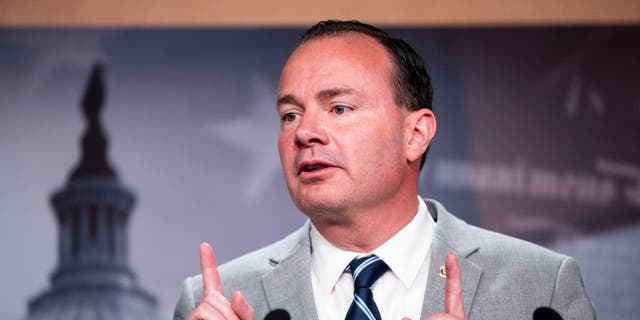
(318, 205)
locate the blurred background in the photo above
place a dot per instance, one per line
(538, 109)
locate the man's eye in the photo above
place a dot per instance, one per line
(340, 109)
(289, 117)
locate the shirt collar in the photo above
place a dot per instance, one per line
(404, 253)
(328, 261)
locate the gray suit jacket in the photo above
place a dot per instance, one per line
(502, 277)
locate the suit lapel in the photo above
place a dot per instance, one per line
(292, 271)
(445, 240)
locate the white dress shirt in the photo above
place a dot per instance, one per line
(398, 293)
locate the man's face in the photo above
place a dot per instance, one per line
(342, 135)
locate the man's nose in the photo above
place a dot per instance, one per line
(311, 130)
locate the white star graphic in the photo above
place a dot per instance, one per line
(256, 134)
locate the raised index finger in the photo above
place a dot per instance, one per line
(210, 276)
(453, 302)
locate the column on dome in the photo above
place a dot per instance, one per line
(75, 233)
(102, 234)
(83, 232)
(111, 233)
(64, 232)
(119, 238)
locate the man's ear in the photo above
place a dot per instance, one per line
(420, 127)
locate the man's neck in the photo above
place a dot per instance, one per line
(366, 229)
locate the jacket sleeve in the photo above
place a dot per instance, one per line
(569, 296)
(186, 303)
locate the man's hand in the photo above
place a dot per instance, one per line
(453, 303)
(214, 305)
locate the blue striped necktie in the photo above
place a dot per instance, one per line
(365, 272)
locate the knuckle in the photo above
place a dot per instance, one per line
(203, 311)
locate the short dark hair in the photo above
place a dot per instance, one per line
(411, 81)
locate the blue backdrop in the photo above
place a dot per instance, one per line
(538, 132)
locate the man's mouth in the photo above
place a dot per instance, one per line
(312, 166)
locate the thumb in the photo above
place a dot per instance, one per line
(241, 307)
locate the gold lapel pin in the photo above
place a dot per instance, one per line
(443, 272)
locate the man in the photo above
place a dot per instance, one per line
(356, 122)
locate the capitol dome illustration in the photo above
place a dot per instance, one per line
(93, 279)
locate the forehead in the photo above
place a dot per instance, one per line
(348, 60)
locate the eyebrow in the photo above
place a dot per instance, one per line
(332, 92)
(289, 99)
(322, 95)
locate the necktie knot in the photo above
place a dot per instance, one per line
(366, 271)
